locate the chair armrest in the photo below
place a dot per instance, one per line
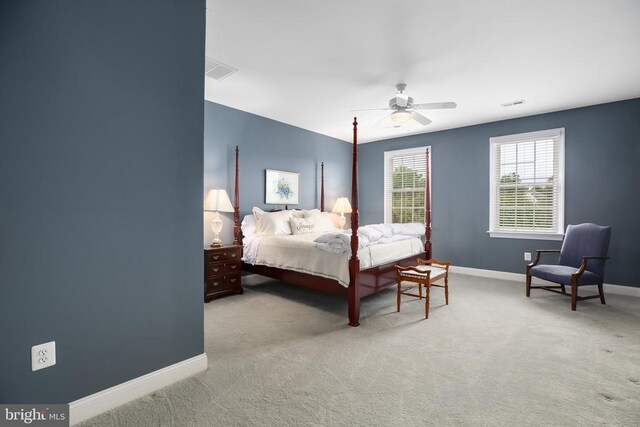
(583, 266)
(540, 252)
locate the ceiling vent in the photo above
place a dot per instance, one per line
(511, 104)
(217, 70)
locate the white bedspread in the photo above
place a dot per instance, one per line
(298, 253)
(368, 235)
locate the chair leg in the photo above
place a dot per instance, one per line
(426, 302)
(574, 294)
(399, 295)
(446, 289)
(601, 292)
(528, 285)
(420, 290)
(563, 289)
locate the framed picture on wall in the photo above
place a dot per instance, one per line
(282, 188)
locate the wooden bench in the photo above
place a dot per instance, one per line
(426, 273)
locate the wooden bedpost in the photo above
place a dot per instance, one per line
(236, 205)
(322, 187)
(427, 211)
(354, 262)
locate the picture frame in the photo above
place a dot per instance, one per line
(282, 187)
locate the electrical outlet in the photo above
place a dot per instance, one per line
(527, 256)
(43, 355)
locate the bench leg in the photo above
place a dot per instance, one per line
(446, 289)
(426, 302)
(399, 296)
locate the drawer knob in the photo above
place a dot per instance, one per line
(215, 270)
(233, 280)
(233, 267)
(233, 255)
(215, 283)
(216, 256)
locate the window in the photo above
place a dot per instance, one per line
(404, 182)
(527, 180)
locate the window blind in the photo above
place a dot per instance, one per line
(405, 180)
(526, 183)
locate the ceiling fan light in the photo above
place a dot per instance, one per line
(401, 116)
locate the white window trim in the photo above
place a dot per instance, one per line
(540, 235)
(387, 190)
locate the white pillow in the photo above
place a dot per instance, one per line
(324, 222)
(320, 223)
(248, 225)
(312, 212)
(257, 213)
(302, 225)
(273, 223)
(297, 213)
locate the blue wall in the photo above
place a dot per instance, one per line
(101, 167)
(602, 177)
(268, 144)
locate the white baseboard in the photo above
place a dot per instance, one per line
(520, 277)
(102, 401)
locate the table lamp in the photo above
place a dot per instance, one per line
(217, 201)
(342, 207)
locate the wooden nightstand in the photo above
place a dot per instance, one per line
(222, 274)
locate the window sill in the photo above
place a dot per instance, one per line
(525, 235)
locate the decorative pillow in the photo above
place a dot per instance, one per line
(297, 213)
(248, 225)
(320, 223)
(302, 225)
(273, 223)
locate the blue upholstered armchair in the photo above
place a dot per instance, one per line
(582, 258)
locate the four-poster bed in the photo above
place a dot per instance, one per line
(361, 282)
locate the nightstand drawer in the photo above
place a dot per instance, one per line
(223, 282)
(222, 268)
(230, 254)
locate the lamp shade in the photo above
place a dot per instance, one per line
(342, 206)
(218, 201)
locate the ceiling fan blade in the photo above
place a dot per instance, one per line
(420, 118)
(371, 109)
(435, 105)
(379, 122)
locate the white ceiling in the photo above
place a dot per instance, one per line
(308, 63)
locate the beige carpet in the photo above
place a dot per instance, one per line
(284, 356)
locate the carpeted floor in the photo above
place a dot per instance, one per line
(284, 356)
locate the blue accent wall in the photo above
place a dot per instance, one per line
(101, 128)
(602, 178)
(268, 144)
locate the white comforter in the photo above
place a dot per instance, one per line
(368, 235)
(298, 253)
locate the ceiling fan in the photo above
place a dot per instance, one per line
(404, 109)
